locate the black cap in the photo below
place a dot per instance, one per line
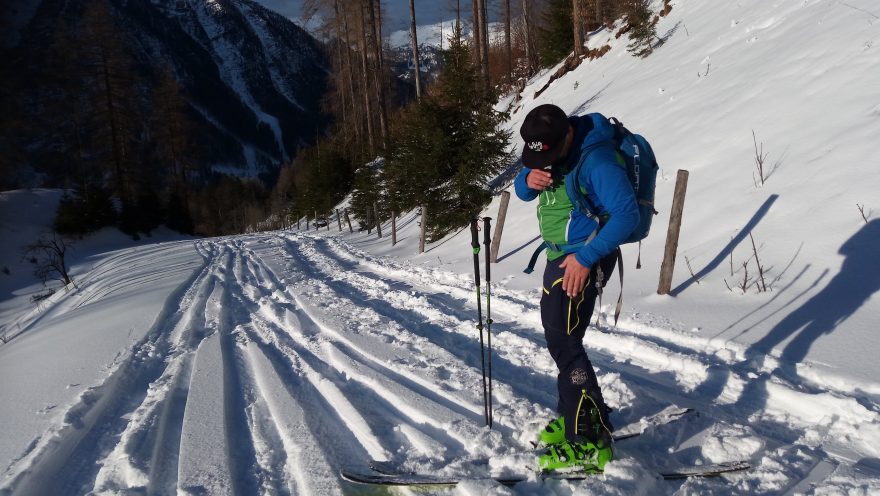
(544, 132)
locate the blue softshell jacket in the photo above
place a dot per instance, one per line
(608, 190)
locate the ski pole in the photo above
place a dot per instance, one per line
(487, 242)
(475, 244)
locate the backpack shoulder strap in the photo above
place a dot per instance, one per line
(573, 187)
(572, 179)
(619, 129)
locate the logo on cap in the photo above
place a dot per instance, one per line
(537, 146)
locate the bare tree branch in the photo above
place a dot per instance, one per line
(760, 157)
(862, 211)
(48, 253)
(691, 270)
(763, 285)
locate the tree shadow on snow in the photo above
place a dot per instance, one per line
(661, 40)
(727, 250)
(583, 107)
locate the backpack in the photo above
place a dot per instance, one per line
(641, 169)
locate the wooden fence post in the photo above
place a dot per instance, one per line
(424, 226)
(339, 220)
(316, 220)
(297, 223)
(393, 229)
(499, 226)
(348, 220)
(672, 234)
(369, 221)
(378, 220)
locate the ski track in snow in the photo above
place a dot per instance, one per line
(289, 356)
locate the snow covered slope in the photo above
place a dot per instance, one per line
(395, 13)
(803, 77)
(264, 363)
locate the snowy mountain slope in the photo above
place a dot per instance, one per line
(253, 78)
(395, 13)
(266, 362)
(802, 76)
(274, 69)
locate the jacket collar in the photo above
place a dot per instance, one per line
(582, 126)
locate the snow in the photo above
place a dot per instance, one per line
(265, 363)
(395, 13)
(428, 35)
(234, 69)
(437, 35)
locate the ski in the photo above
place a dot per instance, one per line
(683, 472)
(391, 474)
(635, 429)
(667, 415)
(712, 470)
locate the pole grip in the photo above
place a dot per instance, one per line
(475, 237)
(475, 244)
(487, 239)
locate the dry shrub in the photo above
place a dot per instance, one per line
(595, 53)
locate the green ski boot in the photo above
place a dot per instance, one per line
(591, 423)
(553, 433)
(592, 447)
(576, 456)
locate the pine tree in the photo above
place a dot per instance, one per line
(322, 176)
(174, 144)
(172, 134)
(557, 34)
(413, 172)
(367, 191)
(643, 30)
(111, 86)
(11, 118)
(141, 214)
(51, 85)
(177, 214)
(84, 210)
(228, 205)
(447, 147)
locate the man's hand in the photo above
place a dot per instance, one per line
(575, 277)
(539, 179)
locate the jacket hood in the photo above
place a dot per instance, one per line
(590, 131)
(600, 130)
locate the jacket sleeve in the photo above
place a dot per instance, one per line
(614, 191)
(523, 191)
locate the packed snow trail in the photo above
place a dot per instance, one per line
(288, 356)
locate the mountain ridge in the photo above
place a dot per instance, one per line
(252, 78)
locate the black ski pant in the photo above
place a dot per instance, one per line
(565, 322)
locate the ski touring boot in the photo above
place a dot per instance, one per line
(580, 455)
(591, 448)
(553, 433)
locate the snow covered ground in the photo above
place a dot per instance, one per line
(262, 364)
(395, 13)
